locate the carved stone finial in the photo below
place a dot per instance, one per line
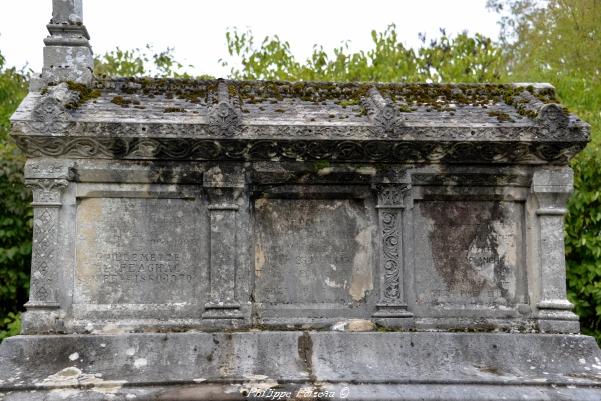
(552, 117)
(224, 117)
(67, 54)
(50, 114)
(382, 112)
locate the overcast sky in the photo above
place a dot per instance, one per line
(196, 29)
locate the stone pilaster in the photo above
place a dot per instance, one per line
(223, 191)
(391, 206)
(551, 189)
(47, 180)
(67, 54)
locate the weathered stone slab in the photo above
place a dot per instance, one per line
(313, 254)
(470, 254)
(233, 366)
(140, 251)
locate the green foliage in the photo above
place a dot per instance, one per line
(10, 325)
(138, 63)
(446, 59)
(583, 241)
(554, 36)
(15, 209)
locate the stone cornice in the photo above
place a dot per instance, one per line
(390, 151)
(251, 120)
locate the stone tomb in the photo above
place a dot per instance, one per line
(214, 239)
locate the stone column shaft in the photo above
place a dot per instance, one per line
(223, 210)
(47, 181)
(391, 206)
(552, 189)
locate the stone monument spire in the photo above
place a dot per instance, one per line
(67, 54)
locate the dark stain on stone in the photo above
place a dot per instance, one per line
(305, 353)
(458, 226)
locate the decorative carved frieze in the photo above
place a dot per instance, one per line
(338, 150)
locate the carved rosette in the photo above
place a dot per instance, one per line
(391, 204)
(46, 204)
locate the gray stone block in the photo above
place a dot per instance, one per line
(362, 366)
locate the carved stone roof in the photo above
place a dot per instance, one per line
(260, 120)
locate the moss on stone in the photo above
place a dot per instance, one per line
(174, 110)
(501, 116)
(407, 97)
(120, 101)
(321, 164)
(85, 94)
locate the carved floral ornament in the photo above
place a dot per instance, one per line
(390, 250)
(389, 120)
(391, 194)
(50, 116)
(46, 191)
(224, 120)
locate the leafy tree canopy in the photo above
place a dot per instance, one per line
(445, 59)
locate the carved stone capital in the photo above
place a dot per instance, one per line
(223, 188)
(552, 188)
(46, 191)
(392, 195)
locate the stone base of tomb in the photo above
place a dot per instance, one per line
(289, 365)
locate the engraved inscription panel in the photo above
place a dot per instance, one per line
(468, 253)
(311, 251)
(139, 251)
